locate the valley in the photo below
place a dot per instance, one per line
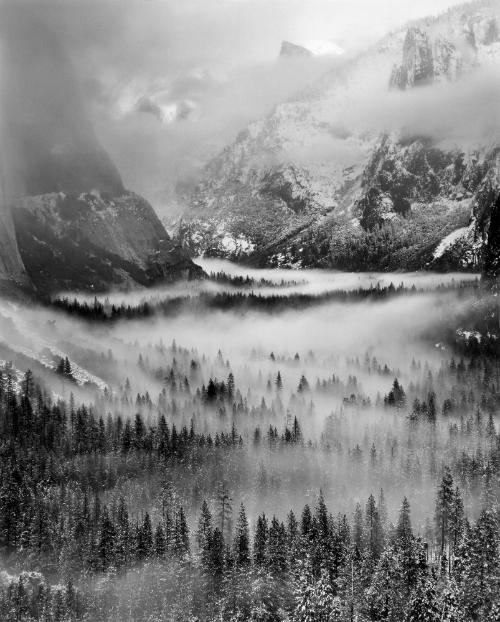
(324, 177)
(266, 388)
(229, 416)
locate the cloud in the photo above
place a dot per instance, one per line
(463, 112)
(217, 59)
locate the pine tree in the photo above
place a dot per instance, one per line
(296, 431)
(181, 534)
(145, 538)
(423, 606)
(456, 523)
(260, 541)
(279, 382)
(358, 534)
(407, 547)
(306, 521)
(11, 503)
(277, 547)
(404, 531)
(230, 386)
(266, 600)
(382, 509)
(384, 597)
(204, 534)
(444, 508)
(123, 537)
(373, 529)
(315, 600)
(160, 544)
(28, 384)
(450, 606)
(303, 385)
(225, 509)
(242, 539)
(396, 396)
(217, 557)
(67, 368)
(107, 534)
(481, 575)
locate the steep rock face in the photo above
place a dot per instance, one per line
(417, 67)
(309, 186)
(413, 173)
(76, 225)
(292, 50)
(491, 268)
(425, 61)
(481, 30)
(13, 274)
(92, 241)
(274, 179)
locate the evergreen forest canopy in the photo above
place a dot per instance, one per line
(247, 454)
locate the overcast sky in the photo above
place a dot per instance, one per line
(218, 56)
(227, 31)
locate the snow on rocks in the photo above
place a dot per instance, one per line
(451, 239)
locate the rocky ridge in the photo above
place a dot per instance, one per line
(310, 185)
(66, 220)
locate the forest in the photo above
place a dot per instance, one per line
(329, 462)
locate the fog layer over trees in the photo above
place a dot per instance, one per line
(328, 456)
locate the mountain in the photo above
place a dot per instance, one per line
(66, 219)
(293, 50)
(491, 266)
(317, 183)
(13, 274)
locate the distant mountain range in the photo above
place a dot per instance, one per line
(66, 221)
(316, 183)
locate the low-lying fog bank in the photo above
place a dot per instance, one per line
(275, 282)
(335, 364)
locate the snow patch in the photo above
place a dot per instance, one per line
(467, 334)
(321, 47)
(451, 239)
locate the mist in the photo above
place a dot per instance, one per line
(209, 68)
(371, 341)
(234, 443)
(457, 114)
(364, 398)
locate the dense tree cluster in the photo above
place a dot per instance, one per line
(79, 544)
(106, 311)
(176, 484)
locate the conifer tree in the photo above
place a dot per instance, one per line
(450, 606)
(373, 529)
(277, 547)
(444, 508)
(279, 382)
(384, 597)
(181, 534)
(217, 557)
(424, 606)
(204, 533)
(260, 541)
(225, 510)
(160, 543)
(242, 539)
(107, 534)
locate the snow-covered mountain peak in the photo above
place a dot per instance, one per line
(293, 50)
(348, 154)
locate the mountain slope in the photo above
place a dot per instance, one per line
(75, 224)
(317, 184)
(13, 274)
(92, 241)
